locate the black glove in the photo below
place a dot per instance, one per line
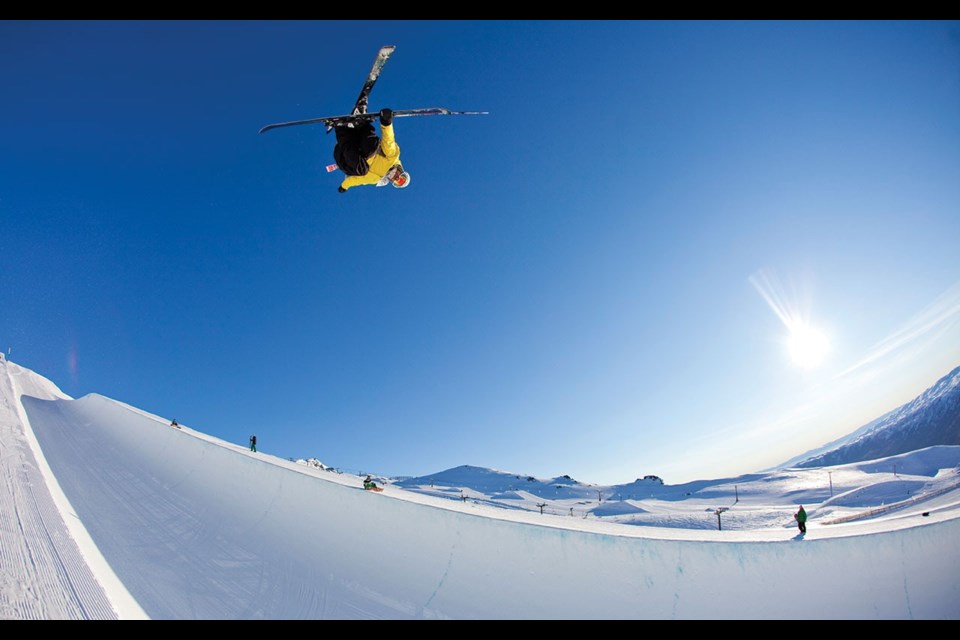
(386, 117)
(341, 190)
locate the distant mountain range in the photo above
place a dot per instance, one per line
(932, 418)
(920, 436)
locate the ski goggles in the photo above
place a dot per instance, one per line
(397, 176)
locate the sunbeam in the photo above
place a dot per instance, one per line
(806, 345)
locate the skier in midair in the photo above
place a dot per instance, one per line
(366, 158)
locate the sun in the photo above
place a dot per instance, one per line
(808, 346)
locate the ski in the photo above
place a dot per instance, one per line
(335, 121)
(360, 106)
(360, 114)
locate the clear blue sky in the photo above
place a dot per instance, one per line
(597, 279)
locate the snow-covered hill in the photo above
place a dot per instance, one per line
(750, 502)
(933, 418)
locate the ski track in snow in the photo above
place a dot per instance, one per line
(43, 574)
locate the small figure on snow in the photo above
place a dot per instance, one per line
(174, 424)
(801, 518)
(369, 484)
(368, 159)
(253, 443)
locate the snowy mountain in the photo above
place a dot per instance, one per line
(933, 418)
(751, 501)
(928, 422)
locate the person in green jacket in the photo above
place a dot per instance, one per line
(368, 159)
(801, 517)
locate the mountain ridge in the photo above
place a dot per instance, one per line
(930, 419)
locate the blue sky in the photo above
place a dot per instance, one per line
(596, 279)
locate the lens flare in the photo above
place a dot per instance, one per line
(806, 345)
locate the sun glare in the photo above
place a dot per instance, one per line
(807, 346)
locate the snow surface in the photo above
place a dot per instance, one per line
(108, 512)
